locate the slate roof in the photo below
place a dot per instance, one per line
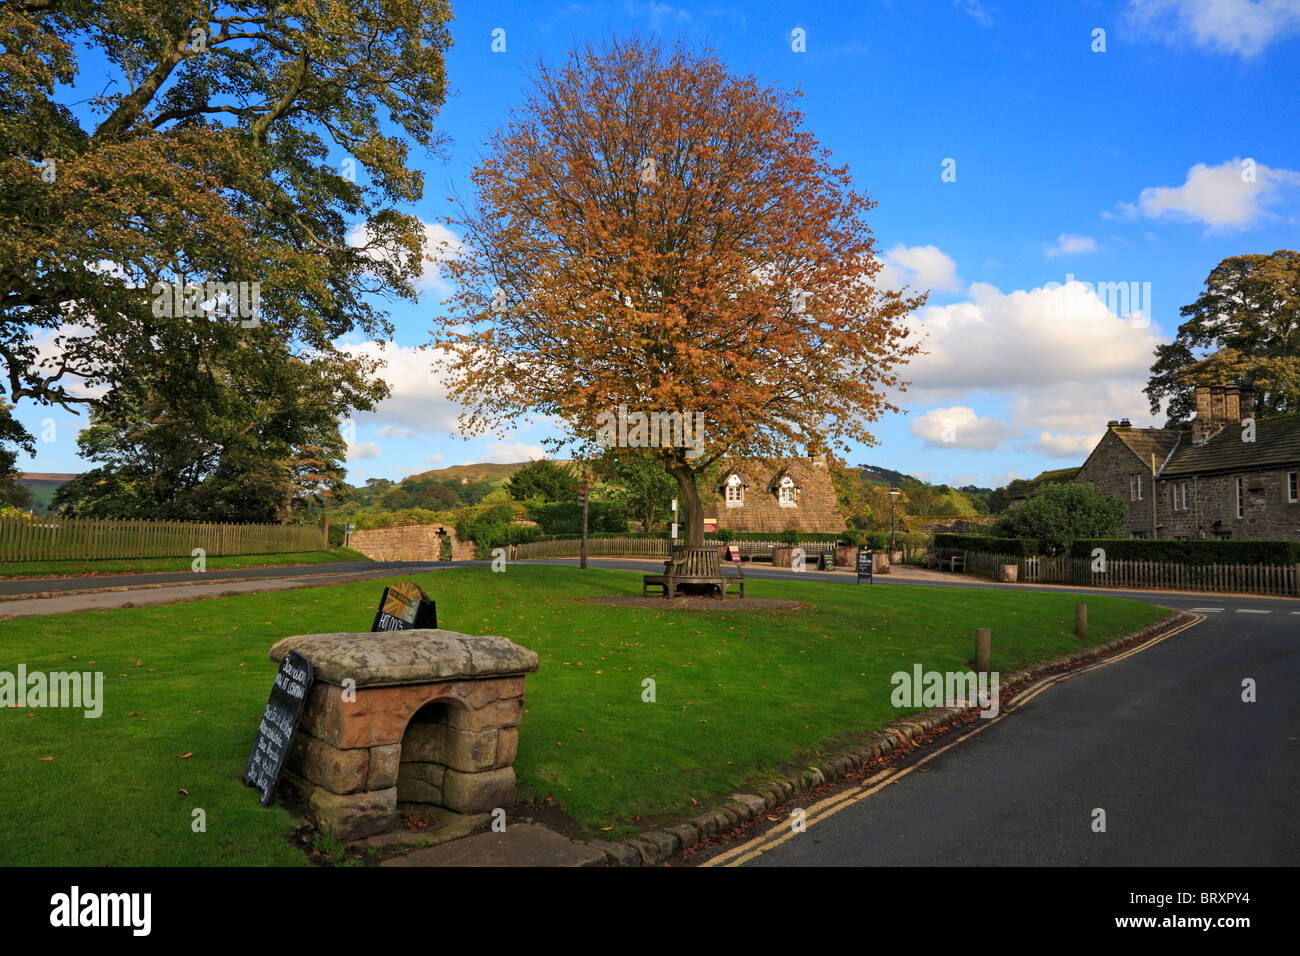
(1277, 444)
(1145, 442)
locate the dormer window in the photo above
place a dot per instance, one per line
(785, 492)
(735, 492)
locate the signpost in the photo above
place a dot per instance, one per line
(582, 554)
(279, 721)
(866, 564)
(404, 606)
(827, 562)
(733, 553)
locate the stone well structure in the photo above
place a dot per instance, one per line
(433, 720)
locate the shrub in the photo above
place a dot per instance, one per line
(790, 536)
(1058, 513)
(987, 544)
(1190, 552)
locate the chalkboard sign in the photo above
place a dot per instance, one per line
(733, 553)
(866, 564)
(827, 561)
(279, 721)
(404, 606)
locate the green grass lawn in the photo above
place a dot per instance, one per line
(72, 569)
(739, 694)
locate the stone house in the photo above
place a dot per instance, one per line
(773, 496)
(1229, 476)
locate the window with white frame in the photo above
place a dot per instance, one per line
(1292, 491)
(1180, 495)
(735, 492)
(1135, 487)
(1241, 498)
(1173, 492)
(785, 492)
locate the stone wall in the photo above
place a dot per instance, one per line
(422, 542)
(1268, 515)
(1109, 468)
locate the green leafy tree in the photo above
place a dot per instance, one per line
(189, 440)
(644, 489)
(12, 493)
(543, 479)
(1059, 512)
(224, 142)
(1244, 329)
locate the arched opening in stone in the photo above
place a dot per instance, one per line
(422, 766)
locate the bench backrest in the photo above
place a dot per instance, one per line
(696, 562)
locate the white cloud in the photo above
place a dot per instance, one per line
(440, 244)
(1062, 373)
(1243, 27)
(505, 453)
(1062, 444)
(361, 450)
(432, 459)
(1234, 194)
(419, 404)
(922, 267)
(394, 431)
(995, 341)
(1067, 244)
(960, 427)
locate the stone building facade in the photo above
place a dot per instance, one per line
(1229, 476)
(773, 496)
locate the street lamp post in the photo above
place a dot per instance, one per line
(893, 496)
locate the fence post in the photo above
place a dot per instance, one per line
(1081, 620)
(983, 649)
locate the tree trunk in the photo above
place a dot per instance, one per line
(689, 510)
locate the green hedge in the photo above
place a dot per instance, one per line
(1190, 552)
(986, 544)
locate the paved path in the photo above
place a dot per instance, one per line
(23, 586)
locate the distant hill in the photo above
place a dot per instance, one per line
(485, 471)
(42, 486)
(884, 476)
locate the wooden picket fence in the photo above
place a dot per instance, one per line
(1281, 579)
(53, 539)
(643, 547)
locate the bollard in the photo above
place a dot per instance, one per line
(983, 650)
(1081, 620)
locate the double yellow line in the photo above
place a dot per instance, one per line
(773, 838)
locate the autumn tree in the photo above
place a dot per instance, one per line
(252, 142)
(649, 231)
(1244, 329)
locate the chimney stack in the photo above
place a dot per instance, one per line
(1218, 411)
(1231, 405)
(1247, 402)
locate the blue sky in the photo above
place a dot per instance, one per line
(1147, 163)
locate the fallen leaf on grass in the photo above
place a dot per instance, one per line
(183, 756)
(183, 792)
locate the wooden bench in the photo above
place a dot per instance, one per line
(951, 559)
(693, 566)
